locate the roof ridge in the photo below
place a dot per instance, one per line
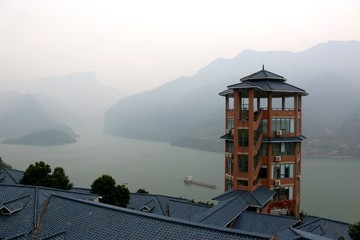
(189, 203)
(321, 218)
(227, 201)
(66, 191)
(253, 195)
(267, 74)
(272, 215)
(160, 217)
(162, 209)
(296, 87)
(16, 199)
(6, 170)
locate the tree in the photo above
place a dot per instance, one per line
(4, 165)
(111, 193)
(121, 196)
(354, 231)
(142, 190)
(40, 175)
(60, 180)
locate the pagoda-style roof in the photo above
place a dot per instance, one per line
(262, 75)
(264, 81)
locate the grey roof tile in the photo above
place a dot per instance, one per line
(295, 234)
(327, 228)
(263, 223)
(263, 74)
(257, 198)
(22, 204)
(264, 80)
(159, 204)
(20, 222)
(224, 212)
(186, 210)
(269, 86)
(226, 195)
(88, 220)
(10, 176)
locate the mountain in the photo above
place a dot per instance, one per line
(188, 111)
(43, 137)
(77, 99)
(23, 114)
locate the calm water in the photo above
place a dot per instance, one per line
(330, 187)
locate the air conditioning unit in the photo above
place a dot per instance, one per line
(228, 176)
(227, 154)
(277, 182)
(279, 132)
(230, 155)
(232, 131)
(278, 159)
(227, 131)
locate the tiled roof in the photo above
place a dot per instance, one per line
(185, 210)
(20, 222)
(224, 212)
(269, 86)
(28, 212)
(263, 74)
(295, 234)
(326, 228)
(157, 204)
(283, 139)
(264, 223)
(226, 195)
(308, 218)
(257, 198)
(226, 92)
(21, 205)
(264, 80)
(10, 176)
(262, 195)
(228, 137)
(78, 219)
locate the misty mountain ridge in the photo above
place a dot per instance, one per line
(22, 114)
(78, 99)
(188, 111)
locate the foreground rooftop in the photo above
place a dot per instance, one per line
(30, 212)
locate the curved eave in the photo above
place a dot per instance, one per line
(267, 86)
(228, 137)
(283, 139)
(245, 85)
(226, 92)
(302, 92)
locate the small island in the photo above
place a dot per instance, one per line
(43, 137)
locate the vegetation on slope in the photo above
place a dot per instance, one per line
(44, 137)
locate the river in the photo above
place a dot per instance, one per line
(330, 187)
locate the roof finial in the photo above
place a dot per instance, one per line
(263, 67)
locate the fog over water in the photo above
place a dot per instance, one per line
(329, 189)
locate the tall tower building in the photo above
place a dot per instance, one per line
(263, 139)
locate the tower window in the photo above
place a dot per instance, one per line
(242, 182)
(230, 103)
(243, 163)
(281, 149)
(230, 123)
(285, 124)
(243, 137)
(283, 170)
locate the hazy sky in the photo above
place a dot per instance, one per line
(138, 45)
